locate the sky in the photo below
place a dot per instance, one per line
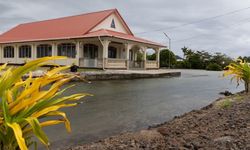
(190, 23)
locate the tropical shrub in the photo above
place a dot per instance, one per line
(214, 67)
(240, 71)
(23, 103)
(165, 56)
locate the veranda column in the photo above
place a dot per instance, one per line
(105, 45)
(127, 49)
(1, 54)
(144, 49)
(16, 54)
(54, 50)
(77, 62)
(33, 51)
(158, 57)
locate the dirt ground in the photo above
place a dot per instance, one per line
(225, 124)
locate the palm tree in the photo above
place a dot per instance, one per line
(240, 71)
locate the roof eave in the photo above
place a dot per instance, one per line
(77, 37)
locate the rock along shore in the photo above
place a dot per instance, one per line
(224, 124)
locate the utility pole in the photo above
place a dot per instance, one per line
(169, 47)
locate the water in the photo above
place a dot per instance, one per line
(131, 105)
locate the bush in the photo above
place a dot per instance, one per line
(165, 54)
(28, 105)
(214, 67)
(182, 65)
(240, 71)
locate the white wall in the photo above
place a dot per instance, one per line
(106, 24)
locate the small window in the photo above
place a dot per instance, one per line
(25, 51)
(113, 24)
(44, 50)
(112, 52)
(8, 52)
(67, 49)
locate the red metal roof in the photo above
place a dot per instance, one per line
(67, 28)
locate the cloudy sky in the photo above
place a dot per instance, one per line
(190, 23)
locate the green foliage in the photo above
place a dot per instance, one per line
(26, 106)
(165, 54)
(203, 60)
(214, 67)
(221, 59)
(240, 71)
(151, 57)
(245, 58)
(183, 65)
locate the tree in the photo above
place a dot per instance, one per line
(165, 54)
(221, 59)
(202, 59)
(151, 57)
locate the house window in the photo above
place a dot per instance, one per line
(25, 51)
(8, 52)
(43, 50)
(112, 24)
(112, 52)
(67, 49)
(90, 51)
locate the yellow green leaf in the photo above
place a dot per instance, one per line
(18, 135)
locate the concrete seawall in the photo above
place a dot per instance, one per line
(116, 75)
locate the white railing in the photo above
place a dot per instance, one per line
(116, 63)
(90, 63)
(151, 64)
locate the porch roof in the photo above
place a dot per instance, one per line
(109, 33)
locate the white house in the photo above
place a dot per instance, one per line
(94, 40)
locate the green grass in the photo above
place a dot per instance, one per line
(227, 103)
(238, 97)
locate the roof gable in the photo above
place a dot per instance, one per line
(66, 27)
(113, 22)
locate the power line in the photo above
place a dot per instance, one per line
(198, 21)
(193, 37)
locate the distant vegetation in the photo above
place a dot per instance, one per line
(203, 60)
(195, 60)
